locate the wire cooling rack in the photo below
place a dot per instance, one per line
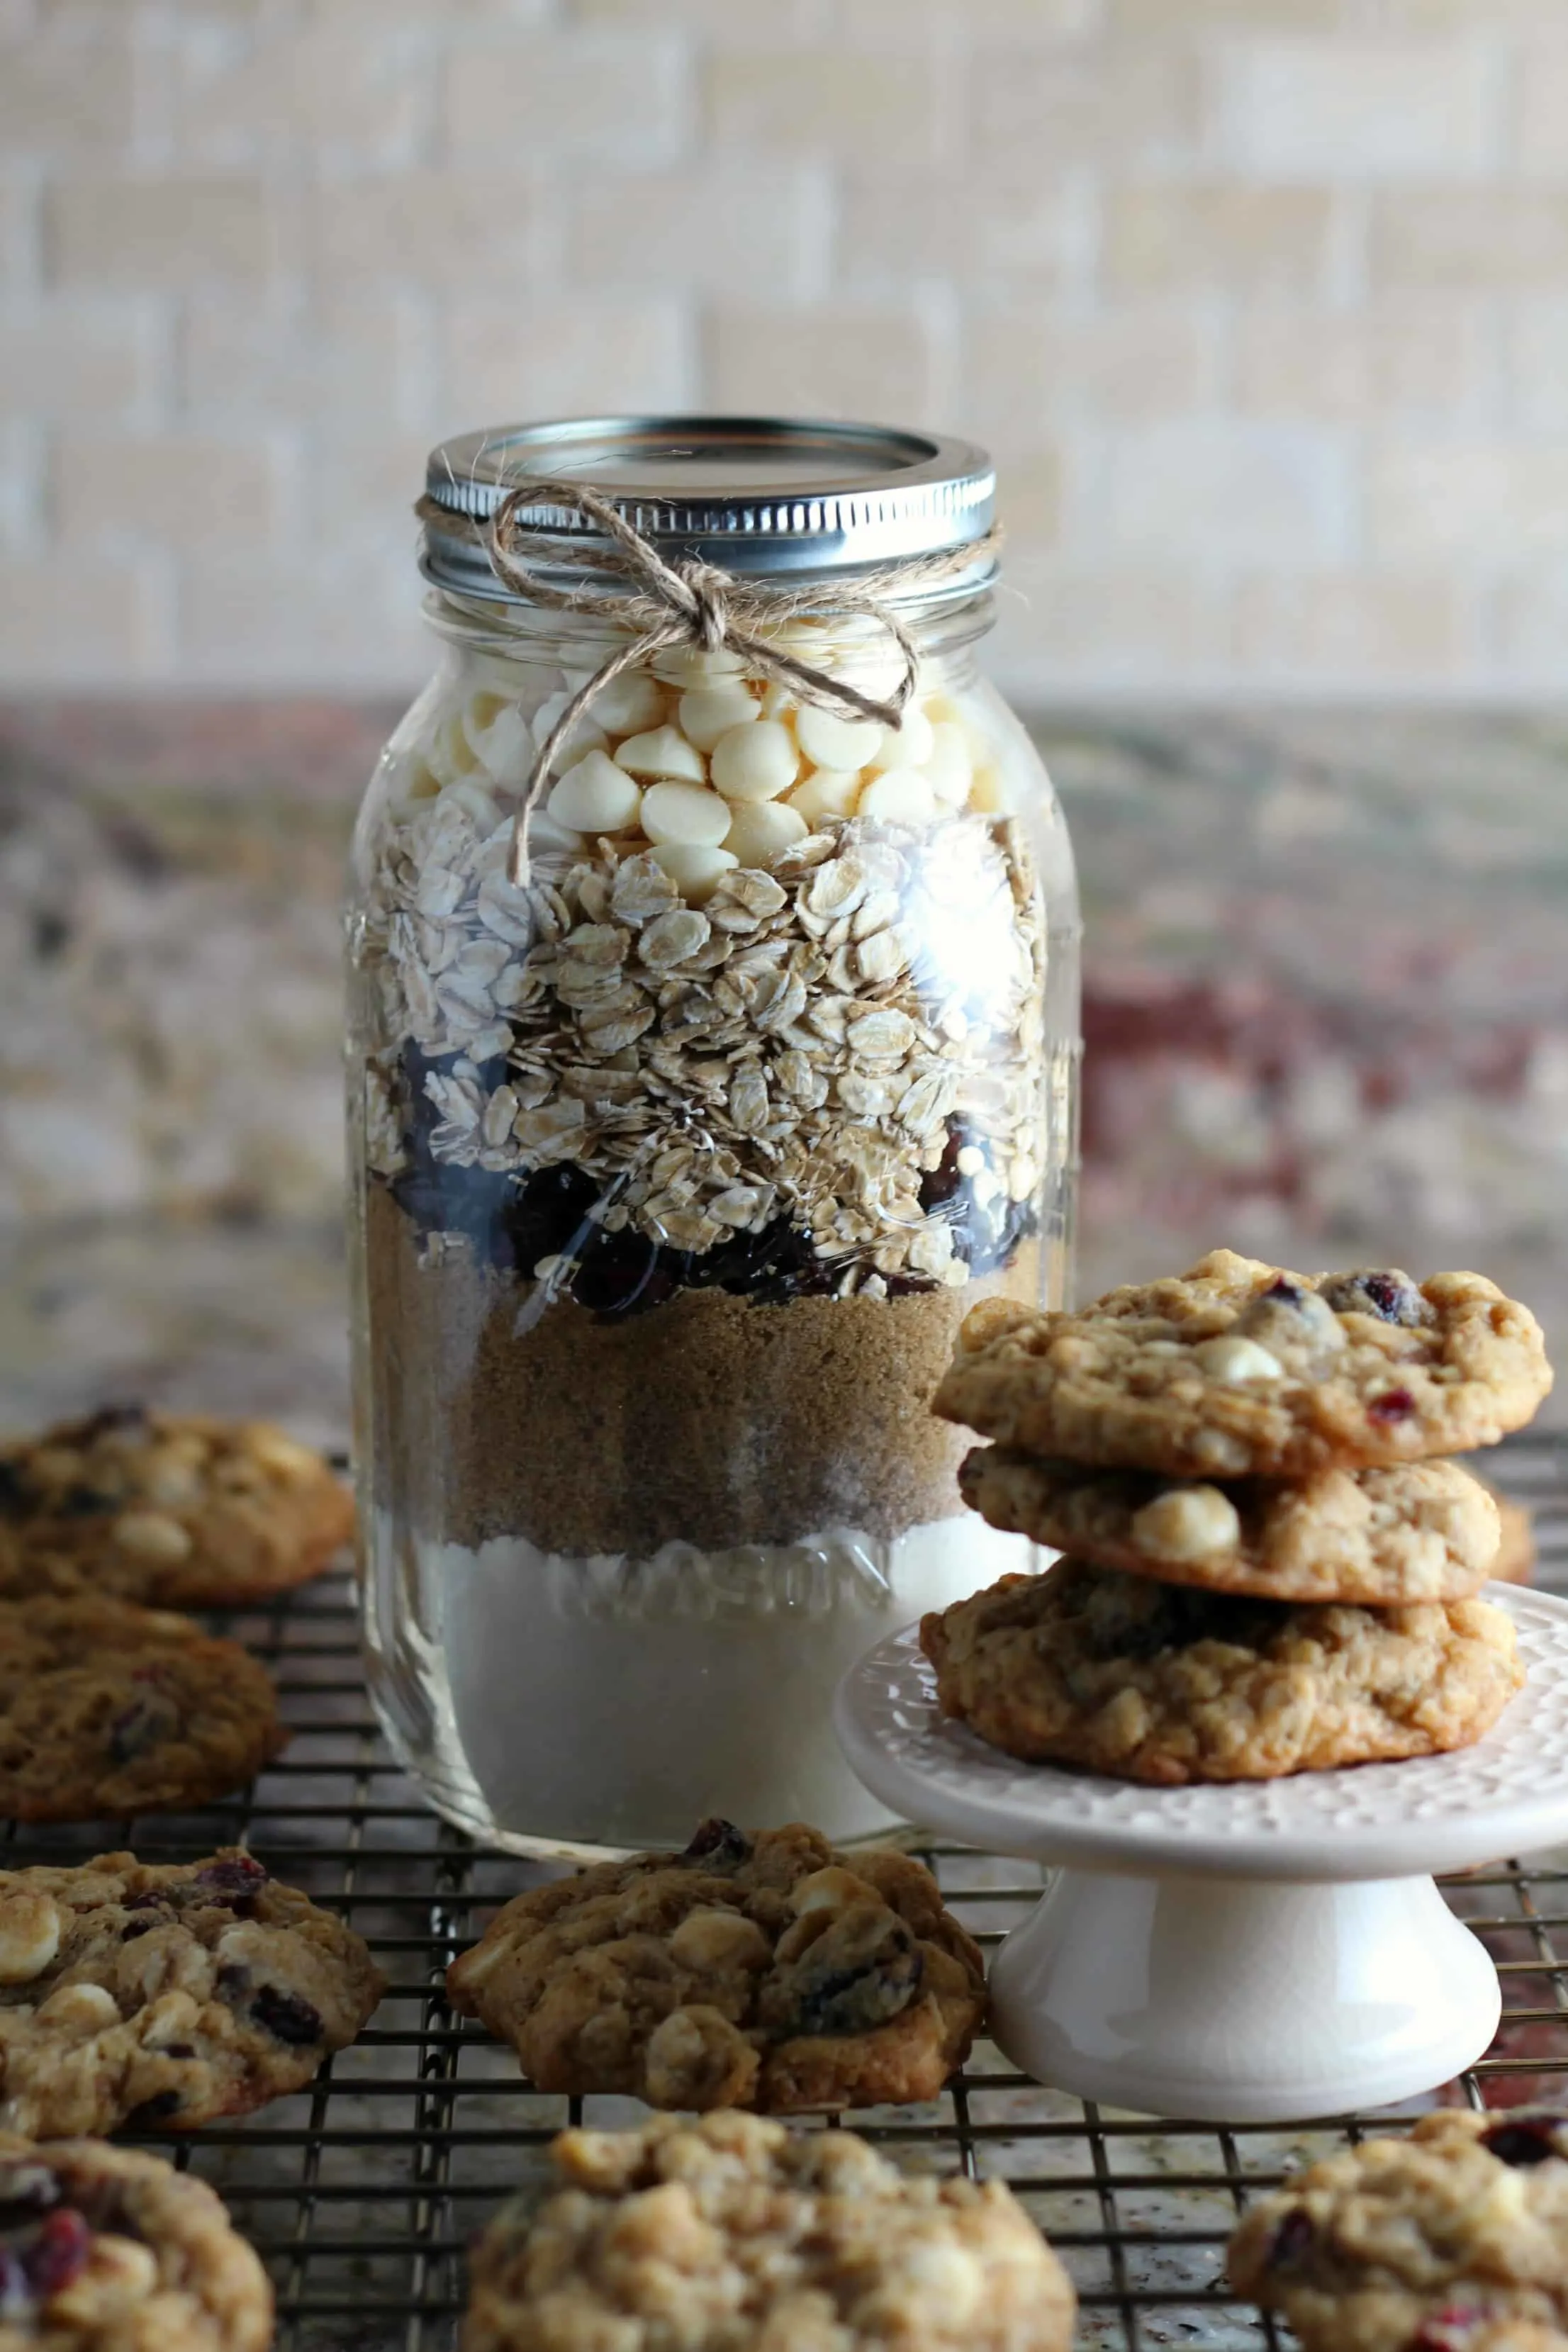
(362, 2191)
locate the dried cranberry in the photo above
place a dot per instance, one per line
(1288, 1293)
(1292, 2237)
(718, 1845)
(1375, 1291)
(233, 1880)
(620, 1274)
(59, 2252)
(1448, 2330)
(941, 1183)
(14, 1495)
(286, 2016)
(1522, 2140)
(1392, 1405)
(149, 1719)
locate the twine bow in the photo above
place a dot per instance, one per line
(661, 602)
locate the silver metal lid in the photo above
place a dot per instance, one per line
(761, 495)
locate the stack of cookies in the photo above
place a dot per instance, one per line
(1271, 1565)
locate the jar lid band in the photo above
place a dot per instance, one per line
(761, 496)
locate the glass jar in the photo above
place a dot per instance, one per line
(677, 1167)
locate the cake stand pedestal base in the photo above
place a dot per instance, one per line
(1249, 2001)
(1260, 1951)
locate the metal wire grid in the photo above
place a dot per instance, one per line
(364, 2190)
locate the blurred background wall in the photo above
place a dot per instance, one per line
(1263, 304)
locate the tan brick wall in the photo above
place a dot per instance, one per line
(1262, 305)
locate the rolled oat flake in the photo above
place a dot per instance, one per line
(714, 1042)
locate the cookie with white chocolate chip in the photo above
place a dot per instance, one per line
(1237, 1369)
(107, 1710)
(766, 1971)
(1379, 1538)
(730, 2230)
(1452, 2238)
(111, 2249)
(1164, 1684)
(165, 1997)
(181, 1510)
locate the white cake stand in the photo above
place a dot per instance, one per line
(1264, 1950)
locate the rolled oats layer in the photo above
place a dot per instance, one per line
(687, 1156)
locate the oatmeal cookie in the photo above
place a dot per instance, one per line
(731, 2231)
(178, 1509)
(1237, 1369)
(1515, 1562)
(109, 2249)
(1453, 2239)
(1161, 1683)
(1421, 1531)
(764, 1971)
(107, 1710)
(167, 1996)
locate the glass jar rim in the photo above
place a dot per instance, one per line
(513, 630)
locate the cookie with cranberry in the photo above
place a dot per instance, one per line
(165, 1996)
(181, 1510)
(766, 1971)
(1452, 2239)
(109, 2249)
(107, 1710)
(727, 2230)
(1381, 1538)
(1166, 1684)
(1237, 1369)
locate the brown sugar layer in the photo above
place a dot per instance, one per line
(711, 1420)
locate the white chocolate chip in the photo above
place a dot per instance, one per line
(827, 791)
(950, 763)
(755, 762)
(153, 1536)
(829, 741)
(684, 816)
(971, 1159)
(29, 1934)
(628, 704)
(695, 871)
(907, 746)
(82, 2010)
(710, 711)
(595, 796)
(101, 2301)
(282, 1455)
(1188, 1523)
(1235, 1361)
(689, 665)
(663, 753)
(832, 1889)
(902, 797)
(761, 831)
(719, 1939)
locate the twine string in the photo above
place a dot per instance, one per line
(663, 601)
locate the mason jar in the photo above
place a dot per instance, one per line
(682, 1148)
